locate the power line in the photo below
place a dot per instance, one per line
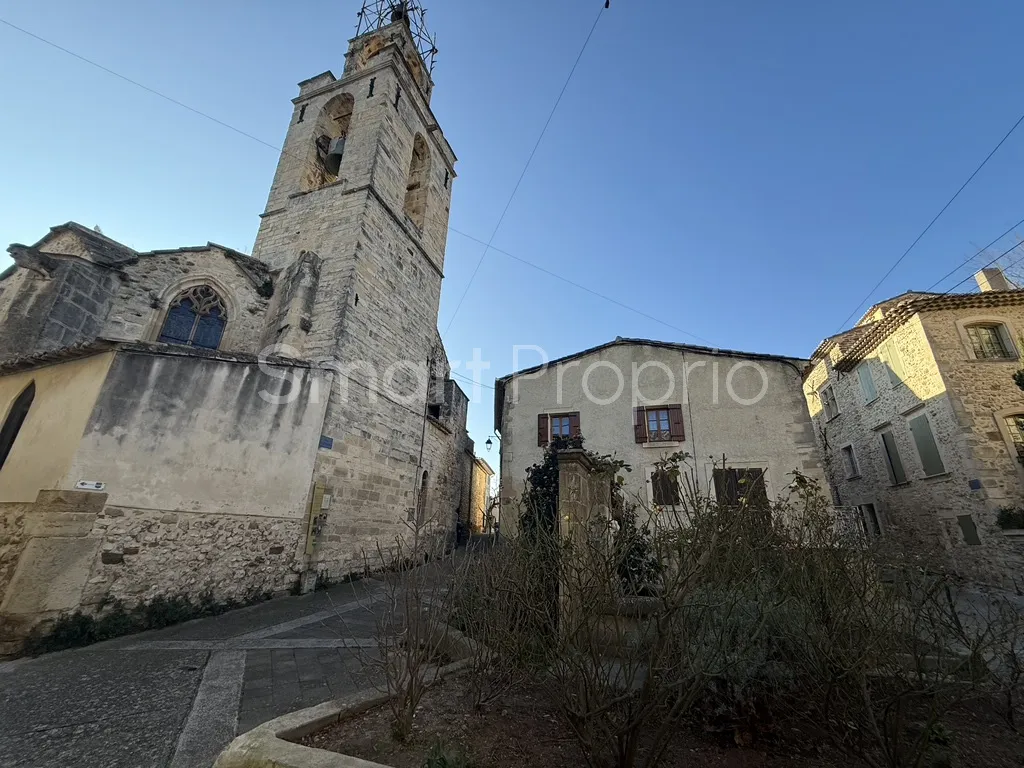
(137, 84)
(997, 258)
(471, 381)
(584, 288)
(932, 222)
(529, 160)
(969, 259)
(488, 244)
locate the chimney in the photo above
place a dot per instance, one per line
(992, 279)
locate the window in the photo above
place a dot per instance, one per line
(828, 402)
(15, 418)
(969, 530)
(664, 488)
(931, 461)
(551, 426)
(893, 462)
(658, 424)
(867, 383)
(990, 341)
(196, 318)
(416, 186)
(1015, 426)
(329, 136)
(893, 362)
(733, 486)
(850, 462)
(869, 520)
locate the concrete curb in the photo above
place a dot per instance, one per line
(272, 745)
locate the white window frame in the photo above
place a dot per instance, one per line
(853, 459)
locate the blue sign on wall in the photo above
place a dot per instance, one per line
(326, 443)
(975, 485)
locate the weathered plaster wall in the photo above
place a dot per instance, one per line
(42, 454)
(198, 435)
(774, 432)
(960, 398)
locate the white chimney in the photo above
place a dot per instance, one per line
(992, 279)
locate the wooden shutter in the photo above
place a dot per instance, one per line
(640, 424)
(574, 425)
(542, 429)
(675, 421)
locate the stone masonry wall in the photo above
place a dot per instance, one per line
(146, 553)
(148, 286)
(12, 540)
(919, 517)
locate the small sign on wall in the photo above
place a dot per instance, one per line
(326, 443)
(90, 485)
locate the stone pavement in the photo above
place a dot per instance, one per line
(175, 697)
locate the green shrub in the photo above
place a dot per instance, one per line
(113, 619)
(1010, 518)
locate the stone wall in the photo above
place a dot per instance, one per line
(147, 286)
(919, 518)
(12, 540)
(146, 553)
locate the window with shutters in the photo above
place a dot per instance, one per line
(555, 426)
(867, 383)
(658, 424)
(14, 420)
(890, 355)
(1015, 428)
(893, 462)
(664, 488)
(736, 486)
(829, 406)
(850, 462)
(195, 318)
(869, 520)
(927, 449)
(990, 341)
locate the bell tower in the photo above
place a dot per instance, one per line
(363, 183)
(355, 226)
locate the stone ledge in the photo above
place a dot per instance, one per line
(272, 745)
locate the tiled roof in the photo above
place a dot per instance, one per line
(861, 339)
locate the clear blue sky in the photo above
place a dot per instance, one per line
(743, 170)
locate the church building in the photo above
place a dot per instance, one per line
(198, 421)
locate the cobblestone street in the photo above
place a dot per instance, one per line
(176, 697)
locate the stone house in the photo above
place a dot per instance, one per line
(201, 420)
(920, 423)
(478, 504)
(641, 400)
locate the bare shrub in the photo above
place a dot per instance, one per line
(748, 614)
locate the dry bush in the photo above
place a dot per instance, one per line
(752, 616)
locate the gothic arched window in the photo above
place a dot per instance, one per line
(196, 317)
(329, 136)
(416, 187)
(15, 418)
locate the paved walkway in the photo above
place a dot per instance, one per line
(175, 697)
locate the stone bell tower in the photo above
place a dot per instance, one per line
(356, 222)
